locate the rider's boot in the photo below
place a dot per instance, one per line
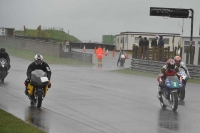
(26, 91)
(159, 92)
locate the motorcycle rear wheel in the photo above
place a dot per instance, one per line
(2, 79)
(182, 93)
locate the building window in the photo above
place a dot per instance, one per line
(121, 39)
(137, 40)
(132, 35)
(2, 29)
(187, 46)
(166, 40)
(118, 40)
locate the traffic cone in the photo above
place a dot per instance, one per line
(113, 53)
(84, 49)
(126, 55)
(94, 49)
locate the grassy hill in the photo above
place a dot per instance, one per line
(56, 35)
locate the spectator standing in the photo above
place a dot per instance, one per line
(160, 48)
(154, 42)
(141, 44)
(145, 47)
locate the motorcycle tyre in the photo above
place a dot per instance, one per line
(174, 101)
(182, 93)
(39, 99)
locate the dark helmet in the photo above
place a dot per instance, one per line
(3, 50)
(170, 64)
(38, 59)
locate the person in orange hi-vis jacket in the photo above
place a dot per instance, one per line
(99, 55)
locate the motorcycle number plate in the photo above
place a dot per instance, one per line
(44, 79)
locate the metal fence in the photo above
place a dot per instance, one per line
(155, 66)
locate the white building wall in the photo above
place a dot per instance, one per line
(2, 31)
(185, 42)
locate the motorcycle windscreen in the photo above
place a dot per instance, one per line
(173, 82)
(183, 74)
(122, 56)
(39, 77)
(3, 62)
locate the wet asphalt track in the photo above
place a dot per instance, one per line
(94, 100)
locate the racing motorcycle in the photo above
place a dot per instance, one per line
(181, 93)
(38, 87)
(169, 95)
(3, 69)
(122, 60)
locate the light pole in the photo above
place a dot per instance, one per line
(191, 36)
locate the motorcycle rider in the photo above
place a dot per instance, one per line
(170, 69)
(37, 64)
(120, 53)
(181, 64)
(5, 55)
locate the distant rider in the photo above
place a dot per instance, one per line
(120, 53)
(37, 64)
(5, 55)
(170, 69)
(181, 64)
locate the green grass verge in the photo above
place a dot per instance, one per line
(28, 55)
(58, 36)
(148, 74)
(11, 124)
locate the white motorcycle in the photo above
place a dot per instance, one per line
(122, 59)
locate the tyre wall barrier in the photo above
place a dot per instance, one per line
(155, 66)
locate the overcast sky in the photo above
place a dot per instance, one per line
(90, 19)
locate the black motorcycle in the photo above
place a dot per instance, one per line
(38, 87)
(3, 69)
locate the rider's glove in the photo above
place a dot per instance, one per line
(26, 82)
(49, 84)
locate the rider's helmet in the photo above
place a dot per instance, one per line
(170, 64)
(3, 50)
(177, 60)
(38, 59)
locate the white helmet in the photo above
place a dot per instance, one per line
(38, 59)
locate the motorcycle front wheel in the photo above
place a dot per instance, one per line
(174, 101)
(39, 99)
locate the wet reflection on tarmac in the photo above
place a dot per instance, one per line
(168, 120)
(36, 117)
